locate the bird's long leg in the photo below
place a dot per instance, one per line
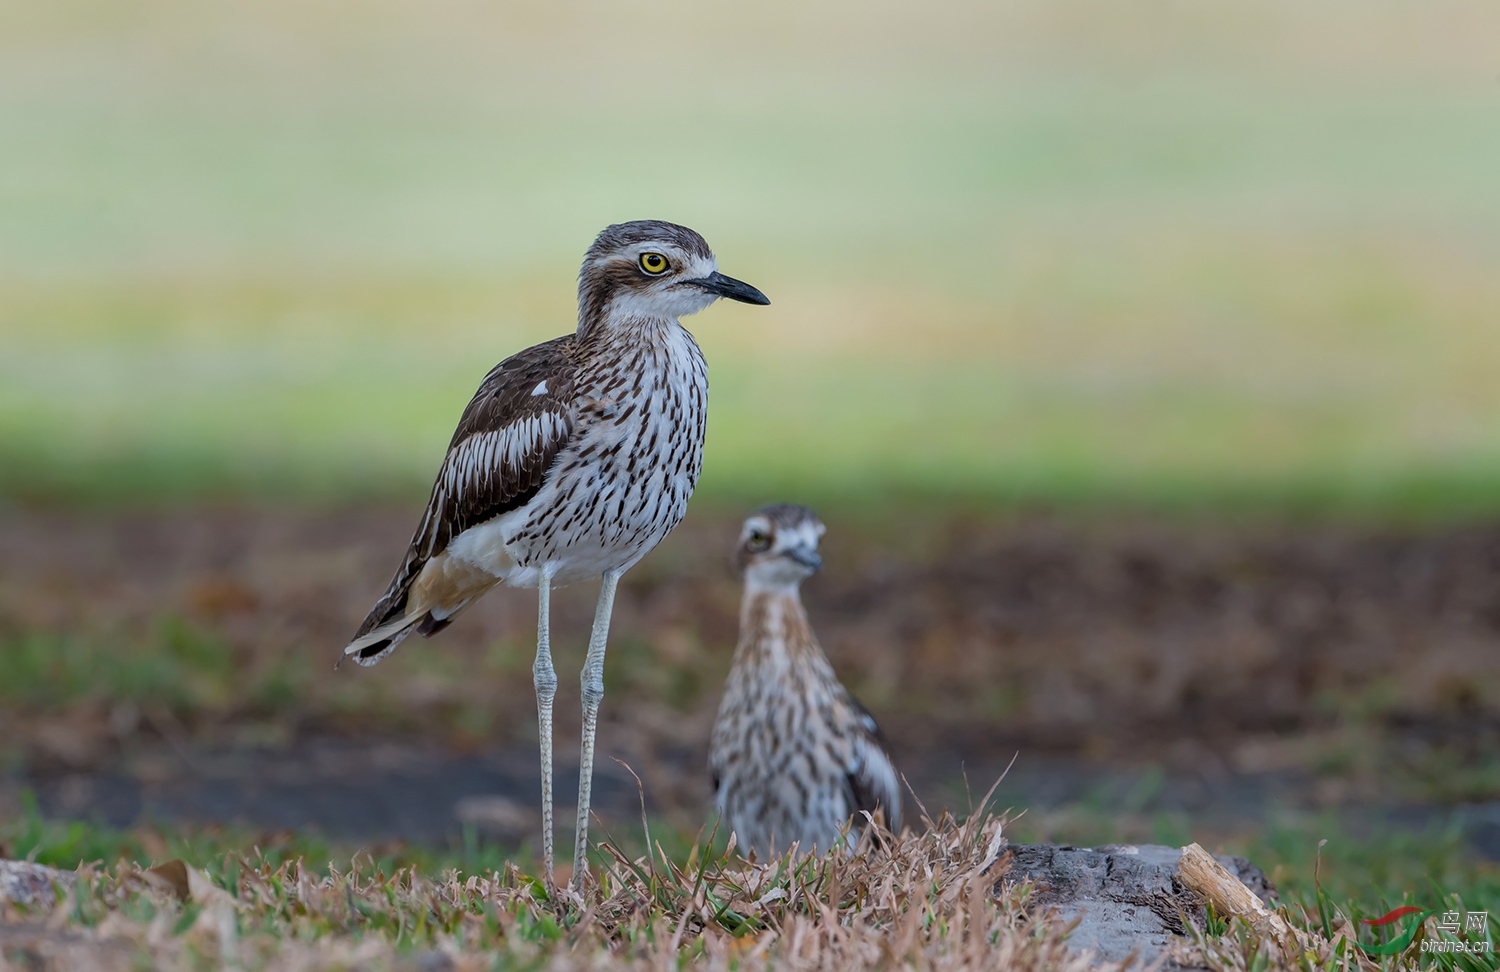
(593, 693)
(545, 680)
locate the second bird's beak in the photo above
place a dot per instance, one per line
(719, 285)
(807, 558)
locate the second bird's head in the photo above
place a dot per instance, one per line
(653, 269)
(779, 546)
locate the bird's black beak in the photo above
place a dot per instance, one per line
(807, 558)
(718, 284)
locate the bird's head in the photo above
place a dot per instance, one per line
(779, 546)
(652, 269)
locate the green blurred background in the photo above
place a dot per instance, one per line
(1048, 250)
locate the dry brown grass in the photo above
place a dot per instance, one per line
(929, 901)
(925, 901)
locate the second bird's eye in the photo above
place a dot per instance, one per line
(653, 263)
(759, 540)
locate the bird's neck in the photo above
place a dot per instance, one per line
(647, 344)
(774, 627)
(612, 325)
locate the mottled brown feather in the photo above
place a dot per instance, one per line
(486, 490)
(783, 692)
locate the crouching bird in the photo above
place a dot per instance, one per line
(573, 460)
(794, 757)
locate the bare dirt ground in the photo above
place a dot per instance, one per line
(181, 664)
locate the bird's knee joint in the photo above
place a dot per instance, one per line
(593, 689)
(545, 680)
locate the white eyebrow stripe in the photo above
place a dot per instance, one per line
(539, 389)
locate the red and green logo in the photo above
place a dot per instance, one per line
(1403, 941)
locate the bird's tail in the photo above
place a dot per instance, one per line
(367, 649)
(370, 646)
(423, 597)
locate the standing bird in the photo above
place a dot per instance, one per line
(573, 460)
(794, 756)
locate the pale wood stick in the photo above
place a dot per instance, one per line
(1203, 875)
(1210, 880)
(1200, 873)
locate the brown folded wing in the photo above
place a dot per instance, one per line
(872, 780)
(507, 439)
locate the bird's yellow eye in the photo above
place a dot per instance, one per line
(758, 540)
(653, 263)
